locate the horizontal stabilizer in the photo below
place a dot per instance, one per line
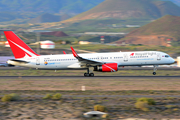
(20, 61)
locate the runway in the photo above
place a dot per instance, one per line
(93, 78)
(100, 83)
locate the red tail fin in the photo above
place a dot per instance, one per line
(18, 47)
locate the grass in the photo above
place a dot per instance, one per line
(10, 97)
(56, 96)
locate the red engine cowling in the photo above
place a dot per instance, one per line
(109, 67)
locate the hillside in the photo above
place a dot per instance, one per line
(175, 1)
(5, 16)
(46, 17)
(155, 33)
(20, 11)
(130, 9)
(28, 9)
(48, 6)
(55, 33)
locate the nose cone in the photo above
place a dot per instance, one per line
(172, 60)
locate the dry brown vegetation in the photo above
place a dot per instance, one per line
(72, 107)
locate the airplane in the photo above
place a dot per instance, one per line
(100, 62)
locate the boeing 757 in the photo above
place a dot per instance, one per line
(101, 62)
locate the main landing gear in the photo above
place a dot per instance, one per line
(88, 74)
(155, 69)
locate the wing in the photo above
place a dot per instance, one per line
(85, 61)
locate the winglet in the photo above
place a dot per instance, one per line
(74, 52)
(64, 52)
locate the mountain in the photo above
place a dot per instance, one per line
(6, 16)
(48, 6)
(130, 9)
(46, 17)
(158, 32)
(96, 9)
(28, 9)
(177, 2)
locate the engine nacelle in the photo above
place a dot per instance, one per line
(109, 67)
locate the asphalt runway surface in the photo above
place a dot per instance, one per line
(95, 77)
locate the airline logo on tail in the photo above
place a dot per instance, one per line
(30, 54)
(18, 47)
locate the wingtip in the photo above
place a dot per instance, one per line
(64, 52)
(72, 48)
(74, 52)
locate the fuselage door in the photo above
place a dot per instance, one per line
(125, 57)
(158, 56)
(37, 60)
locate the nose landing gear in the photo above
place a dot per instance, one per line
(154, 73)
(155, 69)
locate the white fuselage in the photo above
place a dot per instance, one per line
(68, 61)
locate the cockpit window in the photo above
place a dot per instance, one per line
(167, 56)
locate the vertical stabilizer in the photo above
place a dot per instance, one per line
(18, 47)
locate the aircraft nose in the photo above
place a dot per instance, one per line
(172, 60)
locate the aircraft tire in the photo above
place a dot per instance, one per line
(92, 74)
(154, 73)
(86, 75)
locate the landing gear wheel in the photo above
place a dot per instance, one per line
(86, 75)
(92, 74)
(154, 73)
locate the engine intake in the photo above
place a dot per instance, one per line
(109, 67)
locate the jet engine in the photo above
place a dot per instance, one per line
(108, 67)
